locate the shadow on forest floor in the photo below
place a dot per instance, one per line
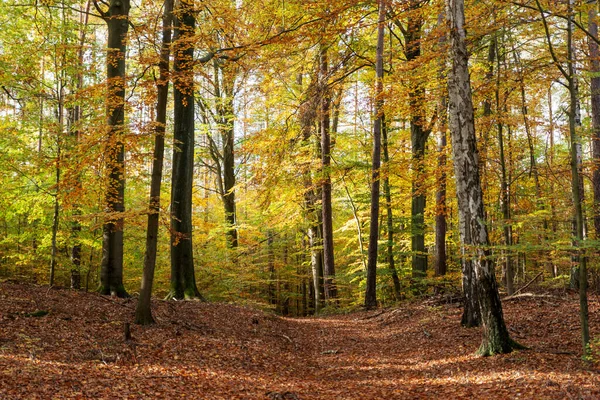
(221, 351)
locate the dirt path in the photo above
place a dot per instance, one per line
(217, 351)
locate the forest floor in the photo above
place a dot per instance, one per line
(221, 351)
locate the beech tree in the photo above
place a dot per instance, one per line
(116, 17)
(371, 293)
(479, 280)
(183, 277)
(143, 312)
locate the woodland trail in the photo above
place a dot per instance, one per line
(221, 351)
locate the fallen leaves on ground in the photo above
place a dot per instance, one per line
(59, 343)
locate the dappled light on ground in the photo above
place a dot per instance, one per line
(220, 351)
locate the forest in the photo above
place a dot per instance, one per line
(300, 169)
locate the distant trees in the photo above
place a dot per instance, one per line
(288, 124)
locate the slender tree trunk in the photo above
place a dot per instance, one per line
(505, 200)
(77, 114)
(143, 311)
(272, 292)
(477, 261)
(371, 289)
(388, 207)
(577, 183)
(328, 257)
(55, 217)
(183, 279)
(440, 195)
(111, 275)
(225, 111)
(307, 116)
(594, 58)
(504, 183)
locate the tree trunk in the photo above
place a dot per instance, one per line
(504, 184)
(111, 275)
(388, 207)
(225, 112)
(57, 183)
(441, 179)
(328, 257)
(77, 114)
(595, 100)
(371, 289)
(418, 137)
(143, 311)
(272, 293)
(577, 183)
(477, 261)
(183, 279)
(307, 117)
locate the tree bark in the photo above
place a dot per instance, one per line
(328, 256)
(225, 112)
(477, 261)
(441, 179)
(183, 279)
(594, 58)
(143, 311)
(577, 184)
(371, 289)
(307, 115)
(390, 217)
(504, 184)
(111, 275)
(75, 133)
(418, 137)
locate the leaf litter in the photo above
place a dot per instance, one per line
(64, 344)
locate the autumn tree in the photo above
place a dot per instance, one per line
(371, 293)
(183, 278)
(479, 280)
(116, 16)
(143, 312)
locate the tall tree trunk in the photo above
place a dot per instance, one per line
(505, 200)
(477, 261)
(371, 289)
(143, 311)
(55, 215)
(328, 258)
(307, 116)
(594, 58)
(75, 133)
(504, 181)
(225, 112)
(111, 275)
(183, 279)
(577, 182)
(418, 137)
(388, 207)
(440, 195)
